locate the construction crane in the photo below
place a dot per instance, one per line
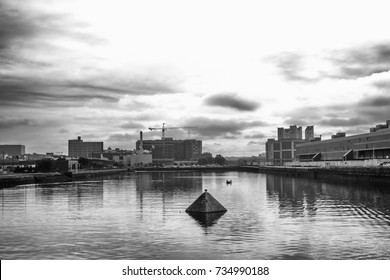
(164, 128)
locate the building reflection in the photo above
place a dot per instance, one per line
(295, 197)
(86, 195)
(162, 189)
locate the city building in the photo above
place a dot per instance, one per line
(128, 158)
(12, 150)
(283, 149)
(372, 145)
(168, 151)
(79, 148)
(292, 133)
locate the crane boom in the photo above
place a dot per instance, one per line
(164, 128)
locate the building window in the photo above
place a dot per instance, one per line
(286, 146)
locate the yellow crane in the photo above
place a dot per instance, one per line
(164, 128)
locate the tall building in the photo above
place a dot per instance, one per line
(283, 149)
(12, 150)
(79, 148)
(168, 151)
(309, 133)
(292, 133)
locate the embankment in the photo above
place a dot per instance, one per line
(329, 172)
(16, 179)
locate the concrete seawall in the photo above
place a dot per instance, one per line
(12, 180)
(329, 173)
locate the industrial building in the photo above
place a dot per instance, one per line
(168, 150)
(140, 157)
(79, 148)
(372, 145)
(284, 148)
(12, 150)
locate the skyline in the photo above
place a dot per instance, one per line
(107, 70)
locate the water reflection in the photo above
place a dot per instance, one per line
(142, 216)
(297, 197)
(161, 189)
(206, 219)
(294, 198)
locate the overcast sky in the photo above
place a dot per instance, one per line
(107, 69)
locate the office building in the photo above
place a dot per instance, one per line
(283, 149)
(79, 148)
(168, 151)
(12, 150)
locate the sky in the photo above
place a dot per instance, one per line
(236, 70)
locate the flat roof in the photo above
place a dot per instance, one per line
(379, 132)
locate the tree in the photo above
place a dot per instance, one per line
(220, 160)
(206, 160)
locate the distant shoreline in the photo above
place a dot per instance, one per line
(332, 173)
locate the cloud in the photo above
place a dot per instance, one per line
(221, 128)
(10, 123)
(256, 136)
(291, 66)
(337, 122)
(31, 91)
(136, 85)
(375, 101)
(366, 111)
(231, 100)
(255, 143)
(348, 63)
(19, 26)
(27, 94)
(131, 125)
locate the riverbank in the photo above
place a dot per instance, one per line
(329, 172)
(14, 179)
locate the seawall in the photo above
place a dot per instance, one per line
(329, 172)
(12, 180)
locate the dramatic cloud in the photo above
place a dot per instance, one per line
(363, 61)
(375, 101)
(221, 128)
(138, 85)
(18, 27)
(349, 63)
(10, 123)
(232, 100)
(343, 122)
(364, 112)
(291, 66)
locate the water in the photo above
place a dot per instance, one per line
(142, 216)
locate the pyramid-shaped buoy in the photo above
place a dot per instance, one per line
(205, 203)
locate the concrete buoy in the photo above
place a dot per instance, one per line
(205, 203)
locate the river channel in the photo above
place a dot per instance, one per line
(142, 216)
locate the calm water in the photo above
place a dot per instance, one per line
(142, 216)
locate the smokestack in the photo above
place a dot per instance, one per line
(141, 144)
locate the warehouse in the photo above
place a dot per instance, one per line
(375, 144)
